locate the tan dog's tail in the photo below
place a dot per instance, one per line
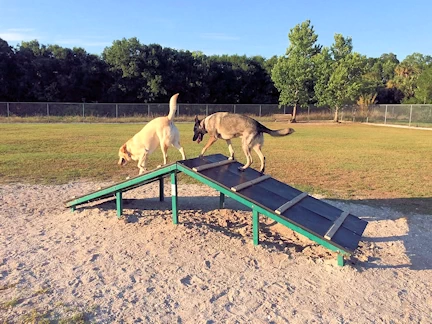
(173, 106)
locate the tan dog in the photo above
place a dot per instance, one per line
(160, 131)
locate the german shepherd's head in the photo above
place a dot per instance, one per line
(199, 130)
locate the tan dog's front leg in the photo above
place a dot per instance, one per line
(209, 143)
(142, 162)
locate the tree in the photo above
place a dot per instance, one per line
(293, 74)
(364, 102)
(407, 73)
(423, 92)
(8, 72)
(339, 72)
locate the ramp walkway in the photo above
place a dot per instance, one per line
(335, 229)
(129, 184)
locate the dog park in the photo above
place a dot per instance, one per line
(92, 266)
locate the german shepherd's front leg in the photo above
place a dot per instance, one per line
(212, 139)
(231, 150)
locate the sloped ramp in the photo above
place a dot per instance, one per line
(120, 187)
(335, 229)
(338, 230)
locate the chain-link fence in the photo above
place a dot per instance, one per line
(410, 115)
(118, 110)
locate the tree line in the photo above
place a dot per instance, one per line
(128, 71)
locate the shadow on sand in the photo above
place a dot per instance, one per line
(416, 211)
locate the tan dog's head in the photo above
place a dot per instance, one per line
(124, 155)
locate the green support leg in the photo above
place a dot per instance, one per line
(161, 189)
(174, 200)
(73, 208)
(221, 201)
(340, 260)
(255, 226)
(119, 203)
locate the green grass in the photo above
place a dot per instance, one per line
(343, 161)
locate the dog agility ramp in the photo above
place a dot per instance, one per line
(118, 188)
(321, 222)
(336, 230)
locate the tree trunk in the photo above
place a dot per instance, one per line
(294, 114)
(336, 115)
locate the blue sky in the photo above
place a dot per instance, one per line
(220, 27)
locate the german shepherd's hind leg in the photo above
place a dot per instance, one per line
(257, 149)
(247, 152)
(231, 150)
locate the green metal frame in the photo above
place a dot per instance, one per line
(172, 170)
(119, 188)
(257, 209)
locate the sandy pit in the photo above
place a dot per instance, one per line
(89, 265)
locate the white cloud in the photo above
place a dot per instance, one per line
(82, 43)
(18, 34)
(219, 36)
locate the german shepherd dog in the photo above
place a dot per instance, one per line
(226, 126)
(160, 131)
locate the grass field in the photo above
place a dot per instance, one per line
(339, 161)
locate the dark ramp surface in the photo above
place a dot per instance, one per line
(311, 214)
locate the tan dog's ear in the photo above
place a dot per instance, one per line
(124, 150)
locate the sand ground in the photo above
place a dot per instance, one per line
(89, 265)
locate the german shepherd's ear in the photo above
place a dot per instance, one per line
(196, 119)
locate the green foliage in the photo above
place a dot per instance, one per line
(407, 74)
(293, 74)
(339, 75)
(423, 93)
(128, 71)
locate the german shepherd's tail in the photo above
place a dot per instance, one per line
(278, 132)
(173, 107)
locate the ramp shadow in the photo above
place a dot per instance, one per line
(415, 211)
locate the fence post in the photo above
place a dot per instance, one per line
(308, 113)
(234, 109)
(260, 111)
(178, 110)
(116, 110)
(206, 110)
(7, 108)
(409, 124)
(284, 109)
(148, 110)
(385, 116)
(47, 109)
(83, 109)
